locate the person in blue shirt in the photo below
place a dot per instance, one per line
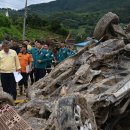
(40, 62)
(50, 58)
(70, 51)
(33, 51)
(62, 53)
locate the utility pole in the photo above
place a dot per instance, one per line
(24, 22)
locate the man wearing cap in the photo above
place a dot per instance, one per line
(26, 66)
(9, 63)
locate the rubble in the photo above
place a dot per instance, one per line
(127, 30)
(10, 120)
(5, 99)
(88, 91)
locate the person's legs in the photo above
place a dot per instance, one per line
(13, 86)
(21, 82)
(32, 77)
(42, 73)
(4, 82)
(48, 69)
(37, 74)
(25, 82)
(9, 84)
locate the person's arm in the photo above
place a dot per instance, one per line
(30, 60)
(43, 58)
(17, 63)
(58, 55)
(51, 57)
(66, 54)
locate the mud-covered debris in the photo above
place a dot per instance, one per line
(88, 91)
(104, 24)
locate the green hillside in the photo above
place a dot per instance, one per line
(61, 16)
(79, 6)
(11, 27)
(77, 14)
(121, 7)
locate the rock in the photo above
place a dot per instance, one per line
(127, 47)
(127, 29)
(117, 29)
(5, 98)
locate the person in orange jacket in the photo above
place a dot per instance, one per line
(26, 65)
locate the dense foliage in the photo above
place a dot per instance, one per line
(81, 16)
(80, 6)
(61, 16)
(4, 21)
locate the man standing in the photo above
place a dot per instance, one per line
(50, 57)
(62, 53)
(9, 63)
(15, 46)
(27, 42)
(40, 62)
(33, 51)
(26, 66)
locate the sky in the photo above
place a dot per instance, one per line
(19, 4)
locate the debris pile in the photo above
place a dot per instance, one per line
(10, 120)
(89, 91)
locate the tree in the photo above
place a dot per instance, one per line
(4, 21)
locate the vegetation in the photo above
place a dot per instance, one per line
(61, 16)
(80, 6)
(4, 21)
(76, 13)
(36, 27)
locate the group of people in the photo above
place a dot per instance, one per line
(33, 61)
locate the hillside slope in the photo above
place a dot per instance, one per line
(80, 6)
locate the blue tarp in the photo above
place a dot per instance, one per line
(82, 44)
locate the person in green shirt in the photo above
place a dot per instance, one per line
(70, 51)
(33, 51)
(50, 57)
(62, 53)
(40, 62)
